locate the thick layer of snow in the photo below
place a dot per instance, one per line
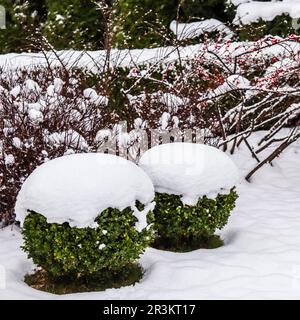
(77, 188)
(253, 11)
(95, 60)
(195, 29)
(188, 169)
(260, 258)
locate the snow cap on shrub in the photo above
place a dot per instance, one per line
(189, 169)
(77, 188)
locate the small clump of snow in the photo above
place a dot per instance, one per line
(15, 91)
(17, 143)
(90, 94)
(102, 246)
(51, 91)
(9, 159)
(103, 134)
(77, 188)
(35, 116)
(190, 170)
(93, 96)
(138, 122)
(58, 85)
(164, 120)
(70, 137)
(31, 86)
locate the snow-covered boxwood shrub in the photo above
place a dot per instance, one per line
(80, 216)
(195, 194)
(181, 226)
(63, 250)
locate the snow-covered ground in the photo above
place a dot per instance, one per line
(260, 258)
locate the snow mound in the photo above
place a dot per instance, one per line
(267, 11)
(78, 187)
(189, 169)
(195, 29)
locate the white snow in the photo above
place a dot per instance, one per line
(188, 169)
(102, 246)
(95, 60)
(15, 91)
(260, 258)
(103, 134)
(35, 115)
(164, 120)
(51, 90)
(233, 82)
(171, 100)
(253, 11)
(90, 94)
(17, 143)
(9, 159)
(195, 29)
(31, 86)
(70, 137)
(93, 96)
(58, 85)
(77, 188)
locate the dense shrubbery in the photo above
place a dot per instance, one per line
(225, 92)
(279, 26)
(181, 227)
(23, 18)
(69, 24)
(143, 24)
(45, 114)
(206, 9)
(75, 252)
(74, 24)
(77, 24)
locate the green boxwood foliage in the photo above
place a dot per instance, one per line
(206, 9)
(75, 24)
(279, 26)
(23, 18)
(181, 227)
(62, 250)
(143, 24)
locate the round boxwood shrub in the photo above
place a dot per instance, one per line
(195, 194)
(69, 253)
(81, 223)
(181, 227)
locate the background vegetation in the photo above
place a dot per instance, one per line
(80, 24)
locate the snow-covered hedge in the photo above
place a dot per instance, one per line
(79, 214)
(220, 92)
(194, 193)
